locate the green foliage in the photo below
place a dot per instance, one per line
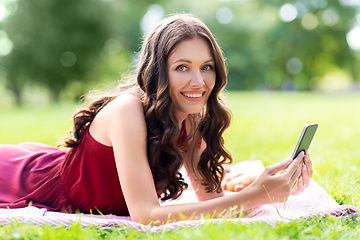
(55, 42)
(258, 44)
(71, 46)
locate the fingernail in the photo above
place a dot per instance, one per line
(304, 167)
(238, 187)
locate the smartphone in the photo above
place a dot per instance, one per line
(305, 139)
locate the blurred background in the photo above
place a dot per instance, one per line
(58, 50)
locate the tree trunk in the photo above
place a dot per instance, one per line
(18, 97)
(17, 92)
(54, 95)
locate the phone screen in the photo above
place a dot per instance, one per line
(305, 138)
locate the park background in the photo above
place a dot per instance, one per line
(290, 63)
(59, 50)
(294, 62)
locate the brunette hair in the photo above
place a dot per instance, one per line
(164, 154)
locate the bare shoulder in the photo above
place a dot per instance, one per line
(125, 110)
(125, 102)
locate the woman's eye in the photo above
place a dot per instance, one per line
(181, 68)
(207, 67)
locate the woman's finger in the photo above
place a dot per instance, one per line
(299, 186)
(281, 166)
(305, 176)
(240, 182)
(293, 171)
(231, 175)
(297, 175)
(308, 164)
(239, 187)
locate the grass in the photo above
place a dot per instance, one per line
(42, 123)
(265, 126)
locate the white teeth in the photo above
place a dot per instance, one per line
(192, 95)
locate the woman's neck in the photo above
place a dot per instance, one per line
(180, 117)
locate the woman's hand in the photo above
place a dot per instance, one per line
(242, 174)
(238, 182)
(306, 175)
(277, 182)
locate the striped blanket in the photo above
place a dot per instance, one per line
(314, 201)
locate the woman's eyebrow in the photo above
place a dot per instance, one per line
(182, 60)
(188, 61)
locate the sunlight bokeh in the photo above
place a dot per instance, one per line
(67, 48)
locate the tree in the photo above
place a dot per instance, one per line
(265, 52)
(54, 41)
(317, 38)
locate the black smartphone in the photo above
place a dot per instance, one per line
(305, 139)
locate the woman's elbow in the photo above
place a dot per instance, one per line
(142, 218)
(146, 217)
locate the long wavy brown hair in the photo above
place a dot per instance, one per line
(152, 87)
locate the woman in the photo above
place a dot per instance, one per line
(127, 148)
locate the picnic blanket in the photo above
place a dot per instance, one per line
(313, 201)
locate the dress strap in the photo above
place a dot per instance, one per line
(183, 134)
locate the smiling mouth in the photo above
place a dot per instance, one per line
(196, 95)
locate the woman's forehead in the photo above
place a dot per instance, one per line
(196, 49)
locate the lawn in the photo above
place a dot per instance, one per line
(265, 126)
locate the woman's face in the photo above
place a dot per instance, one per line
(191, 76)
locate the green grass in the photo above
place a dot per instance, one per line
(45, 123)
(265, 126)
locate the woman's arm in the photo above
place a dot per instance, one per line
(124, 125)
(233, 183)
(239, 179)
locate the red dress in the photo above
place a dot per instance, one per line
(84, 178)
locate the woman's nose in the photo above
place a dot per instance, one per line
(197, 80)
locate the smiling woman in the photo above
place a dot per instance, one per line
(127, 147)
(191, 77)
